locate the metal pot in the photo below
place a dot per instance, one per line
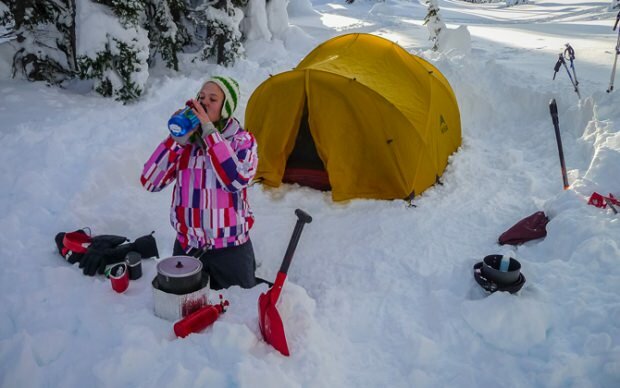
(179, 275)
(491, 270)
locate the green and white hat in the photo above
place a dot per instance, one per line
(230, 87)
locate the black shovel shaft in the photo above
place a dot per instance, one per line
(302, 219)
(553, 108)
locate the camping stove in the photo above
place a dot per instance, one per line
(173, 307)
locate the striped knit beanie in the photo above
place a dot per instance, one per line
(230, 87)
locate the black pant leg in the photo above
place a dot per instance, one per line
(232, 266)
(177, 250)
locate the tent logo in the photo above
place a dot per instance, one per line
(443, 127)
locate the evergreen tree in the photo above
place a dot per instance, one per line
(510, 3)
(434, 23)
(44, 39)
(117, 58)
(167, 35)
(119, 39)
(216, 24)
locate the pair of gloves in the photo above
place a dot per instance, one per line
(105, 250)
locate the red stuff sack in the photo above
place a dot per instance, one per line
(529, 228)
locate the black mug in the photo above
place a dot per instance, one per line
(134, 263)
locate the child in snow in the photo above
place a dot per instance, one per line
(210, 210)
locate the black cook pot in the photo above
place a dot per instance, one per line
(179, 275)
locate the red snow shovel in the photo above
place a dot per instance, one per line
(269, 320)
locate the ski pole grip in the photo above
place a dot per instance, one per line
(553, 108)
(303, 216)
(570, 51)
(557, 66)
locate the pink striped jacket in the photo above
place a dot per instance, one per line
(209, 201)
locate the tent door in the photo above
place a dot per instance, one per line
(304, 166)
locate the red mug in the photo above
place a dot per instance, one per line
(119, 277)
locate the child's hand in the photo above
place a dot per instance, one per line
(183, 140)
(205, 121)
(200, 112)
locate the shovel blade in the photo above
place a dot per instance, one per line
(270, 323)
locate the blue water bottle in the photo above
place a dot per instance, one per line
(183, 122)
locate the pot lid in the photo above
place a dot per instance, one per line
(179, 266)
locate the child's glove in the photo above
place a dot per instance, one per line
(208, 128)
(73, 245)
(101, 253)
(108, 249)
(146, 246)
(185, 139)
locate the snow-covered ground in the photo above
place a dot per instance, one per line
(378, 294)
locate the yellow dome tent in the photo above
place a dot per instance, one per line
(382, 121)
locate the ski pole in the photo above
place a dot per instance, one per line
(559, 64)
(613, 69)
(553, 108)
(571, 56)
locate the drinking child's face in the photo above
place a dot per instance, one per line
(212, 97)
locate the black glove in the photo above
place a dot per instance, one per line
(146, 246)
(58, 240)
(69, 255)
(101, 253)
(110, 249)
(91, 261)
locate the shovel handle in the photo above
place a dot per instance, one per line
(302, 219)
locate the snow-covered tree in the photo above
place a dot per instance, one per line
(114, 42)
(255, 25)
(434, 23)
(277, 16)
(43, 38)
(266, 20)
(510, 3)
(217, 31)
(113, 47)
(167, 35)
